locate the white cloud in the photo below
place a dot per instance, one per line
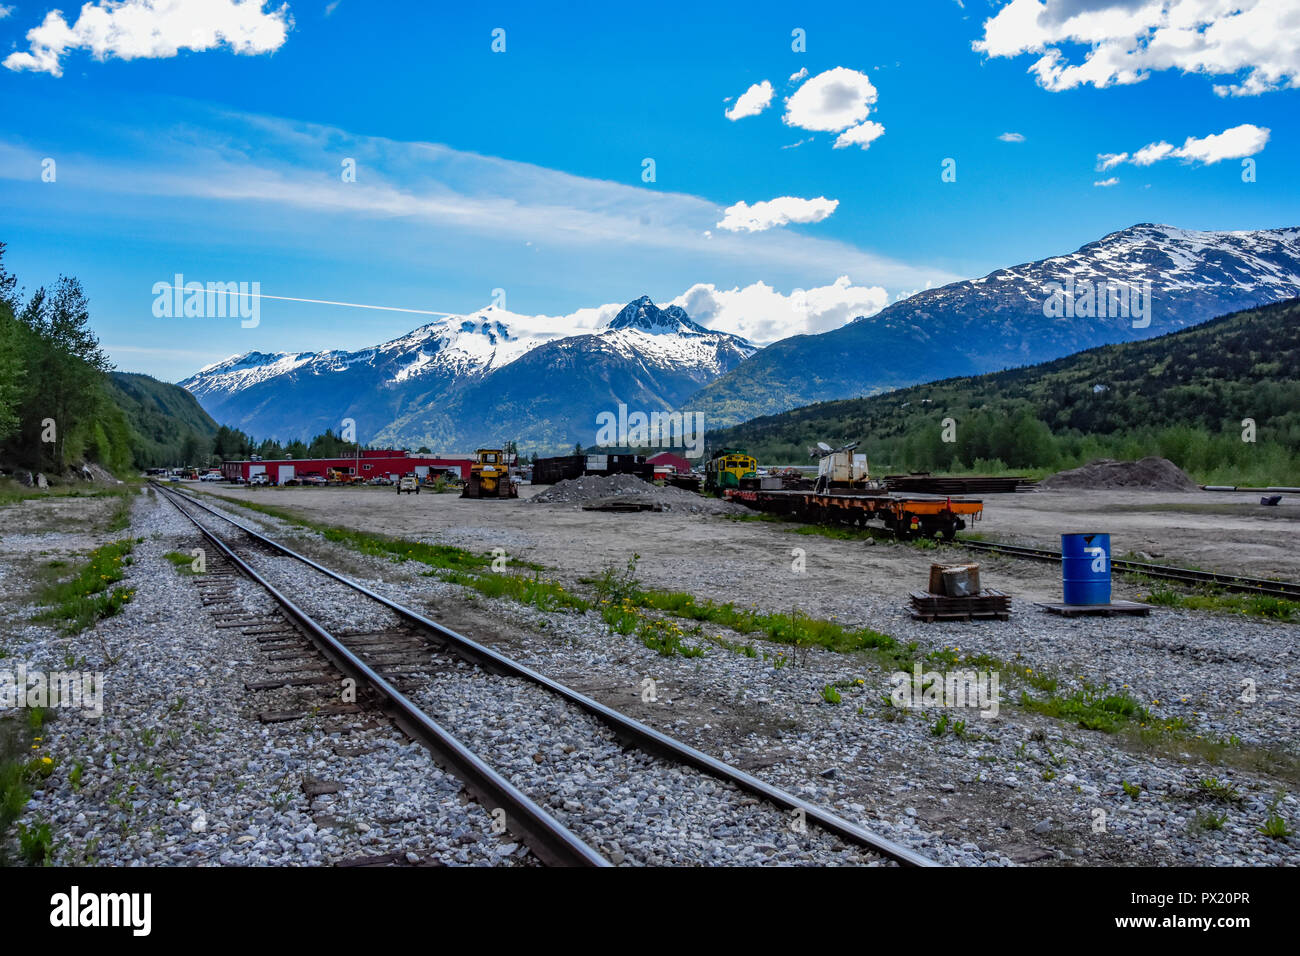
(780, 211)
(862, 135)
(752, 102)
(5, 11)
(831, 101)
(131, 29)
(1107, 182)
(796, 77)
(1128, 39)
(757, 312)
(1151, 153)
(1235, 143)
(761, 314)
(1012, 137)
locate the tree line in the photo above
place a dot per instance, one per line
(1219, 399)
(55, 406)
(232, 443)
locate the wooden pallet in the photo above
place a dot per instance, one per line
(989, 604)
(1098, 610)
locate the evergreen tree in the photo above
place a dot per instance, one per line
(65, 379)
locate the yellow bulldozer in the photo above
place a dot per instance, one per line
(489, 476)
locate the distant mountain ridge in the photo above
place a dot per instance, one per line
(998, 321)
(1206, 379)
(493, 375)
(466, 380)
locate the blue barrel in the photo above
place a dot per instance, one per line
(1085, 568)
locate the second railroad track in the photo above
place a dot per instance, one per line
(1162, 572)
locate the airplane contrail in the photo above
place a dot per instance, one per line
(289, 298)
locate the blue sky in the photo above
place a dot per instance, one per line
(522, 170)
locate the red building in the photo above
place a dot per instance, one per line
(668, 459)
(368, 463)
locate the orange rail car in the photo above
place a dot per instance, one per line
(907, 516)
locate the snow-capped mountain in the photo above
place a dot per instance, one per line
(457, 345)
(467, 379)
(1137, 283)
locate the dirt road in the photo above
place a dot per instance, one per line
(754, 562)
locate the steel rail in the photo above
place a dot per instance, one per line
(547, 837)
(1229, 582)
(627, 729)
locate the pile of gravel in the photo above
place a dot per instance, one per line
(592, 489)
(1149, 474)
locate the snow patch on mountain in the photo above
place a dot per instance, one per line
(472, 346)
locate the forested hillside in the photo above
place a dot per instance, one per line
(168, 426)
(1182, 395)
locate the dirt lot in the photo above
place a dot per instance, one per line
(1222, 531)
(750, 561)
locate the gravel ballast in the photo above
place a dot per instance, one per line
(179, 770)
(1020, 788)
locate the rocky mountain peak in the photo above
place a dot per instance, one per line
(643, 314)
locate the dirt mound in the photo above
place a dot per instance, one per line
(590, 489)
(1149, 474)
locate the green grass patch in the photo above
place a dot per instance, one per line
(665, 638)
(744, 650)
(793, 628)
(842, 532)
(438, 556)
(1211, 788)
(78, 602)
(1274, 825)
(619, 618)
(120, 519)
(22, 766)
(1252, 605)
(12, 491)
(536, 591)
(1205, 820)
(1090, 708)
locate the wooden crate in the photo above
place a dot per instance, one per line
(989, 604)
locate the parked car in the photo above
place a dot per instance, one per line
(313, 480)
(380, 480)
(259, 479)
(408, 483)
(211, 476)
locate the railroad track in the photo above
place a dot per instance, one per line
(1228, 582)
(552, 841)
